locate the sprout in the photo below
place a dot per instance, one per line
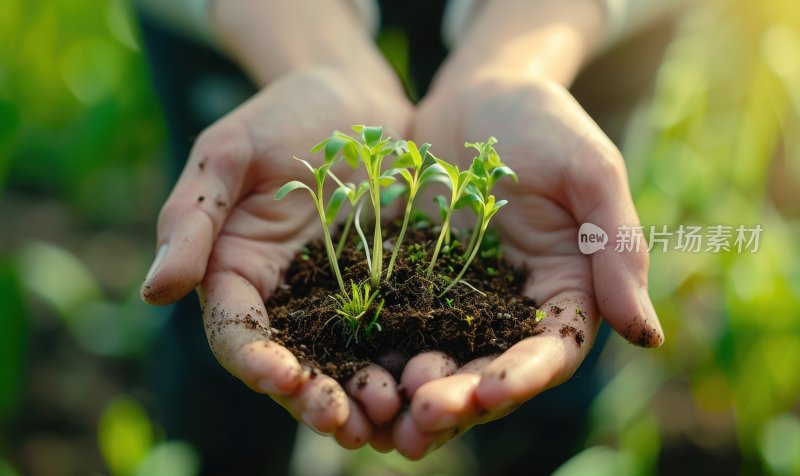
(457, 181)
(422, 172)
(353, 307)
(327, 216)
(370, 152)
(486, 170)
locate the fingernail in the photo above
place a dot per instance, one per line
(267, 386)
(651, 319)
(162, 253)
(306, 418)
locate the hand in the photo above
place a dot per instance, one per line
(569, 174)
(222, 230)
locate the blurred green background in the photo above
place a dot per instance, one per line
(715, 139)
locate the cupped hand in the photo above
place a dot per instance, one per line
(569, 174)
(222, 230)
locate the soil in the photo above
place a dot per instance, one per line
(465, 324)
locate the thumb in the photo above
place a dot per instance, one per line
(598, 192)
(195, 212)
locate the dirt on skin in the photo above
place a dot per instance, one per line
(464, 324)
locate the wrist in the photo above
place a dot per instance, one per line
(271, 39)
(527, 39)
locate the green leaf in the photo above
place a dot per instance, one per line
(372, 134)
(304, 162)
(290, 187)
(503, 171)
(478, 168)
(333, 147)
(442, 202)
(415, 154)
(323, 143)
(471, 199)
(403, 161)
(431, 172)
(335, 203)
(401, 172)
(350, 151)
(392, 192)
(125, 435)
(386, 180)
(451, 171)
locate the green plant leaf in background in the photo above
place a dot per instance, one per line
(13, 339)
(125, 435)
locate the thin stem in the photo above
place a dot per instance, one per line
(475, 231)
(400, 237)
(466, 264)
(329, 245)
(377, 243)
(345, 232)
(361, 233)
(445, 226)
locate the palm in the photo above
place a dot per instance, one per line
(223, 229)
(568, 173)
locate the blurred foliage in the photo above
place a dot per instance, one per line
(13, 340)
(74, 95)
(718, 144)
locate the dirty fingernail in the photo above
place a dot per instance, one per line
(157, 262)
(651, 319)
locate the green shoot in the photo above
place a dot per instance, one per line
(353, 307)
(457, 181)
(487, 168)
(354, 194)
(326, 215)
(370, 152)
(422, 172)
(487, 210)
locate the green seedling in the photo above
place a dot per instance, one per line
(326, 215)
(369, 152)
(457, 180)
(487, 210)
(417, 167)
(353, 307)
(354, 194)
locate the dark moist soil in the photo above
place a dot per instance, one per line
(465, 326)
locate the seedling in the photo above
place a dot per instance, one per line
(417, 167)
(422, 172)
(353, 307)
(327, 216)
(370, 152)
(457, 180)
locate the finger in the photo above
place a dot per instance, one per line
(543, 361)
(356, 431)
(476, 366)
(321, 403)
(412, 442)
(444, 403)
(382, 440)
(238, 333)
(598, 192)
(376, 390)
(425, 367)
(195, 212)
